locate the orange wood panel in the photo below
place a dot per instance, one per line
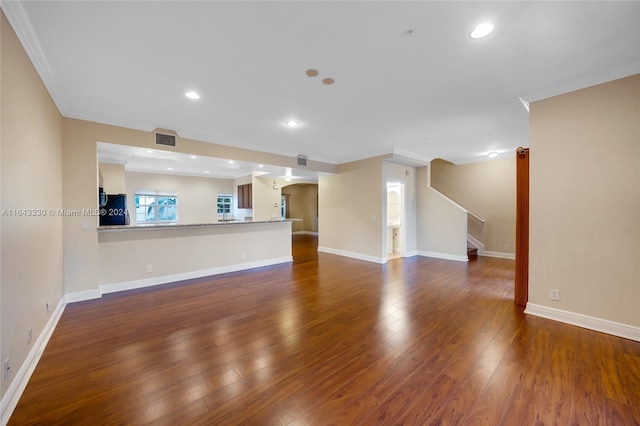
(521, 289)
(330, 340)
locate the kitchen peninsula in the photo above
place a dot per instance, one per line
(136, 256)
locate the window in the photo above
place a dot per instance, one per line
(156, 208)
(224, 203)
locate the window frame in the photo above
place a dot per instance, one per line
(225, 205)
(157, 207)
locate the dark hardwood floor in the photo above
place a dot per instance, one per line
(330, 340)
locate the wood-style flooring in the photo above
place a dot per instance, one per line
(330, 340)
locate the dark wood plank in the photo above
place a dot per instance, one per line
(330, 340)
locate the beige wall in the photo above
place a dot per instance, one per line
(350, 209)
(585, 201)
(441, 224)
(113, 178)
(303, 204)
(197, 196)
(266, 198)
(125, 255)
(486, 189)
(31, 158)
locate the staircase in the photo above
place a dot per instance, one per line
(472, 252)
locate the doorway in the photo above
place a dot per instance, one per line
(395, 239)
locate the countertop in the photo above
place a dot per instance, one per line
(184, 225)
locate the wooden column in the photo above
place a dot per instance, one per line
(521, 290)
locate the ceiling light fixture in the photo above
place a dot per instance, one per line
(482, 30)
(192, 95)
(206, 172)
(169, 168)
(230, 161)
(292, 123)
(194, 157)
(261, 165)
(493, 154)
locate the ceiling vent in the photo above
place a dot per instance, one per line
(302, 160)
(165, 137)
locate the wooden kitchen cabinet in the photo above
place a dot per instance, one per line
(244, 196)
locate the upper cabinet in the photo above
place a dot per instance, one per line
(244, 196)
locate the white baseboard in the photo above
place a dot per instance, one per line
(499, 254)
(585, 321)
(411, 253)
(19, 383)
(81, 296)
(445, 256)
(165, 279)
(305, 233)
(351, 254)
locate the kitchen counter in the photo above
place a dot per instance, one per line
(185, 225)
(136, 256)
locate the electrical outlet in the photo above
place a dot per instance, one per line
(554, 294)
(149, 268)
(5, 368)
(29, 335)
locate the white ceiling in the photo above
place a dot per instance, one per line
(407, 75)
(137, 159)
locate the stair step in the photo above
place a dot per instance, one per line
(472, 253)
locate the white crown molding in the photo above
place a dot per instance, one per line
(411, 158)
(581, 83)
(585, 321)
(20, 23)
(19, 383)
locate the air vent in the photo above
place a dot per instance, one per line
(302, 160)
(166, 140)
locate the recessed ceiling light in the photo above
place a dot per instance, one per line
(292, 123)
(169, 168)
(206, 172)
(261, 165)
(192, 95)
(288, 179)
(149, 151)
(230, 161)
(482, 30)
(328, 81)
(311, 72)
(493, 154)
(194, 157)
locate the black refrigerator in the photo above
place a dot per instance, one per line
(114, 211)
